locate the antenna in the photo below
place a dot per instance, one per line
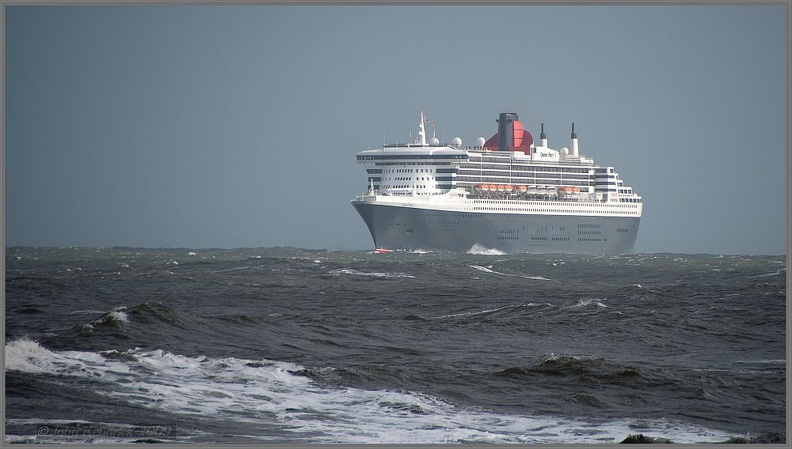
(543, 138)
(574, 142)
(422, 131)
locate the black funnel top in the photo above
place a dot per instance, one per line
(506, 130)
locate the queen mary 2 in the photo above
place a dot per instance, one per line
(505, 195)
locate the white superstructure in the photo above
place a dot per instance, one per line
(505, 175)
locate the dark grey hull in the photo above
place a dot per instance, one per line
(409, 228)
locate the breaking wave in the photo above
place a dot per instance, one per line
(350, 272)
(480, 250)
(278, 393)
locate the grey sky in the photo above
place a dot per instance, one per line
(237, 126)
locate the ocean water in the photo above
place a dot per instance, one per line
(286, 345)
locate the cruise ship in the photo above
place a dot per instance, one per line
(504, 195)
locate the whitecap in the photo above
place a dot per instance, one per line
(119, 315)
(349, 271)
(774, 273)
(484, 269)
(481, 250)
(420, 251)
(589, 301)
(488, 311)
(489, 270)
(276, 392)
(29, 356)
(86, 312)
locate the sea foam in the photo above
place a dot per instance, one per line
(490, 270)
(349, 271)
(481, 250)
(262, 391)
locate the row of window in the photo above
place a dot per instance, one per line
(431, 222)
(490, 201)
(514, 180)
(550, 211)
(526, 174)
(507, 159)
(407, 178)
(410, 156)
(407, 170)
(564, 239)
(401, 164)
(523, 168)
(453, 215)
(418, 178)
(405, 186)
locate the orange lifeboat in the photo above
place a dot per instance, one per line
(523, 189)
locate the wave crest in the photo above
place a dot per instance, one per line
(597, 369)
(349, 271)
(481, 250)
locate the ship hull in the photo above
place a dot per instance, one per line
(416, 228)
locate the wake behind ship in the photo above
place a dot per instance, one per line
(503, 195)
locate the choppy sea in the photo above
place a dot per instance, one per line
(287, 345)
